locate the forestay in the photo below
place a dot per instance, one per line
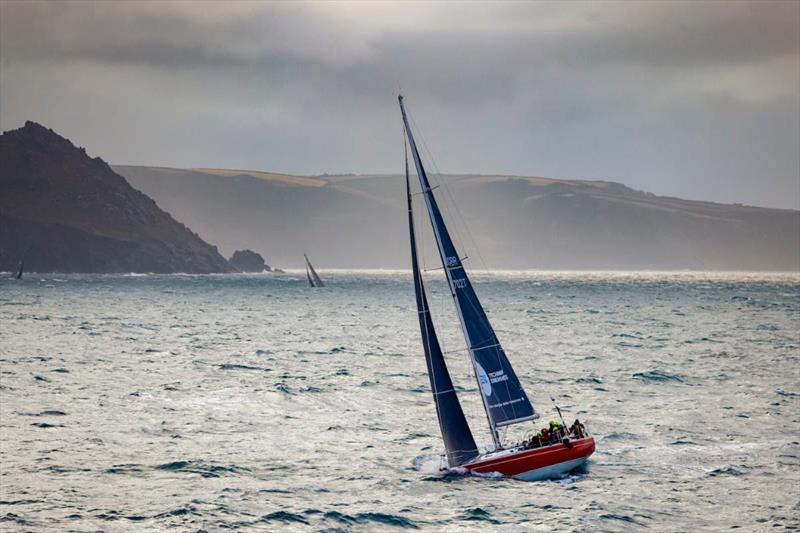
(504, 398)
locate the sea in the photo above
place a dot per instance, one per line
(253, 402)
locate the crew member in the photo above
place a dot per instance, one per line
(578, 429)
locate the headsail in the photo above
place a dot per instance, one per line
(458, 440)
(308, 275)
(504, 398)
(313, 279)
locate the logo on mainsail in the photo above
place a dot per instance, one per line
(483, 379)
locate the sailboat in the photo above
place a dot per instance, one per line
(503, 396)
(311, 274)
(20, 268)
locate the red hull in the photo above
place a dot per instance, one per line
(526, 463)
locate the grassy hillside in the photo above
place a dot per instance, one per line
(511, 221)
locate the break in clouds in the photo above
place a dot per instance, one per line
(699, 100)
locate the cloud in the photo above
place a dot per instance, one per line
(573, 89)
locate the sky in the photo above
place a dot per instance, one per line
(698, 100)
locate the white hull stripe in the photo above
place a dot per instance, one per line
(551, 471)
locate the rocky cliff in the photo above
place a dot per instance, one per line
(64, 211)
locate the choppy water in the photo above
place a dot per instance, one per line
(253, 402)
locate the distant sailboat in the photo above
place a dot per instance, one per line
(20, 268)
(504, 399)
(313, 279)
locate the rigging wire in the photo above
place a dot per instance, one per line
(439, 178)
(472, 407)
(461, 224)
(476, 307)
(474, 304)
(460, 220)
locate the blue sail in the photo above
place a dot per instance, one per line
(458, 441)
(504, 398)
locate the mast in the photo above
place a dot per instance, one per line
(504, 399)
(458, 440)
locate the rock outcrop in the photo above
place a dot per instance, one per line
(248, 261)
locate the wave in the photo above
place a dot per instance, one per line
(728, 470)
(637, 336)
(231, 366)
(125, 469)
(181, 511)
(658, 376)
(15, 518)
(436, 468)
(478, 514)
(702, 339)
(284, 517)
(621, 517)
(618, 436)
(371, 518)
(204, 469)
(20, 502)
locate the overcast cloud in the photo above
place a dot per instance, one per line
(691, 99)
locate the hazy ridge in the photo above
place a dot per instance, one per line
(511, 221)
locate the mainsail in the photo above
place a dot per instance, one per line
(313, 279)
(503, 397)
(458, 440)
